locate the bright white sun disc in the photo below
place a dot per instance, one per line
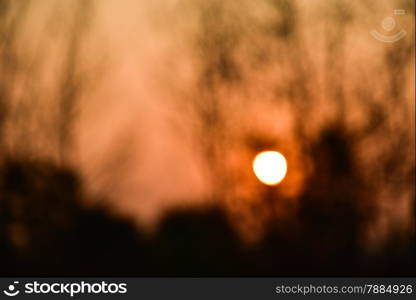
(270, 167)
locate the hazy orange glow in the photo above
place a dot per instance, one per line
(174, 99)
(270, 167)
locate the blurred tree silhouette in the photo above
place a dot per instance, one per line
(223, 76)
(359, 168)
(72, 80)
(26, 116)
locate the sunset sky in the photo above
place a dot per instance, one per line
(177, 97)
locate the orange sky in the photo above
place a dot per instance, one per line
(135, 129)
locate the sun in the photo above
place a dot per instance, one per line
(270, 167)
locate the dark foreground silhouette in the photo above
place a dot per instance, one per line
(46, 230)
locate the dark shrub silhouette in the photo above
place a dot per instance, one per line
(47, 231)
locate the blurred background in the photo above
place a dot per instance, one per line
(128, 131)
